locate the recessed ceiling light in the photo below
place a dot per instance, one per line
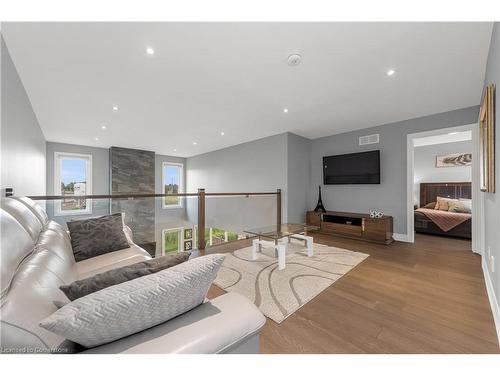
(175, 149)
(452, 133)
(96, 138)
(195, 143)
(115, 108)
(104, 127)
(391, 72)
(150, 51)
(285, 110)
(222, 133)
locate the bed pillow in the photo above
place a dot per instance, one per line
(443, 204)
(80, 288)
(97, 236)
(133, 306)
(430, 206)
(462, 206)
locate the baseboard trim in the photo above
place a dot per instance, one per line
(400, 237)
(495, 309)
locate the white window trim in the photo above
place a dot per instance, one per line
(58, 158)
(172, 230)
(181, 184)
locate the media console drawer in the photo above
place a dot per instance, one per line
(341, 228)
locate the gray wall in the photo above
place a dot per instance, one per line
(390, 195)
(100, 177)
(425, 169)
(255, 166)
(298, 177)
(492, 201)
(23, 142)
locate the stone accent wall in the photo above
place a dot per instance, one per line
(133, 171)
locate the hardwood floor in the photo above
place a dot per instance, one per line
(426, 297)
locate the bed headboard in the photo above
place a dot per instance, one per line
(429, 191)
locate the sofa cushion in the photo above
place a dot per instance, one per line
(16, 244)
(80, 288)
(196, 332)
(105, 262)
(135, 305)
(37, 210)
(97, 236)
(24, 216)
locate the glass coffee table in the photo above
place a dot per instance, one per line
(281, 236)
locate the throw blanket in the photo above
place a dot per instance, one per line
(445, 220)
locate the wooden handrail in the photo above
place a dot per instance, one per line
(145, 195)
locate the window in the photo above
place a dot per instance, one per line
(172, 184)
(72, 178)
(172, 240)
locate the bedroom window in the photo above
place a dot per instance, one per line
(72, 178)
(173, 175)
(172, 240)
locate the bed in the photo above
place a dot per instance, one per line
(428, 194)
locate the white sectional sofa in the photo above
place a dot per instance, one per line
(36, 258)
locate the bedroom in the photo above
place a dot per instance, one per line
(442, 184)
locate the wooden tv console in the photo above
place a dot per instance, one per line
(353, 225)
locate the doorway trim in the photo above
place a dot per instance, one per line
(477, 202)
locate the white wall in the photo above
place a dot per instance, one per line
(425, 169)
(23, 142)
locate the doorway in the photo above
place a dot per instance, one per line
(445, 163)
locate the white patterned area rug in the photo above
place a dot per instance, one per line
(278, 294)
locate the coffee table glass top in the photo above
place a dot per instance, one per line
(276, 232)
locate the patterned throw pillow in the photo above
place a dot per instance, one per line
(97, 236)
(80, 288)
(443, 204)
(462, 206)
(124, 309)
(431, 206)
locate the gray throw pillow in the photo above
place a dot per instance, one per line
(97, 236)
(92, 284)
(133, 306)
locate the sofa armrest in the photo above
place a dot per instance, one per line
(215, 326)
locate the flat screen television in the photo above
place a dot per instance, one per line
(358, 168)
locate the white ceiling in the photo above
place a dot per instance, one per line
(205, 78)
(443, 138)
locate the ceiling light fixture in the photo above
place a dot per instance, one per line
(294, 59)
(285, 110)
(222, 133)
(195, 143)
(96, 138)
(150, 51)
(115, 108)
(391, 72)
(104, 127)
(175, 149)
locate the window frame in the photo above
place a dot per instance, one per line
(180, 230)
(58, 159)
(181, 184)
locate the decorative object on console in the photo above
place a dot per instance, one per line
(453, 160)
(376, 214)
(319, 206)
(487, 139)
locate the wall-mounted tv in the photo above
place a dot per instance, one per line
(358, 168)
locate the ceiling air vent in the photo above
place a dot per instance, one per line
(369, 139)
